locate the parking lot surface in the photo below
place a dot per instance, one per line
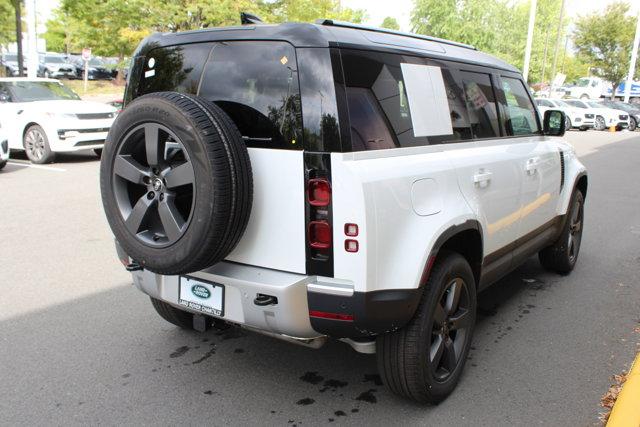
(80, 345)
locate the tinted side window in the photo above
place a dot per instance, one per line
(379, 112)
(519, 113)
(174, 68)
(256, 83)
(544, 103)
(481, 104)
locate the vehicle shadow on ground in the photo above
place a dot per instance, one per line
(92, 362)
(60, 158)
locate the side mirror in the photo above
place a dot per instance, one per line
(554, 123)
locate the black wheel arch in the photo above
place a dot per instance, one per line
(465, 239)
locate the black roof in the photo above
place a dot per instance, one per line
(328, 33)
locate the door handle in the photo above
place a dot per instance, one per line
(482, 178)
(532, 165)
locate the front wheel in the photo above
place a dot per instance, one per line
(632, 124)
(423, 361)
(562, 255)
(36, 145)
(600, 123)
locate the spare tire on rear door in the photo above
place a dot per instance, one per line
(176, 182)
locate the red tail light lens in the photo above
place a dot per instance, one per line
(351, 230)
(331, 316)
(351, 245)
(319, 235)
(319, 192)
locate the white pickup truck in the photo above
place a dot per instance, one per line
(595, 88)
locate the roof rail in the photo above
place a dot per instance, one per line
(343, 24)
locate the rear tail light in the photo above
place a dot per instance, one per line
(331, 316)
(319, 192)
(351, 230)
(351, 245)
(319, 235)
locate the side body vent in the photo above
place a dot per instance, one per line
(562, 172)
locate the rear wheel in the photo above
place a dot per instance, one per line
(424, 360)
(36, 145)
(173, 315)
(567, 123)
(3, 163)
(561, 257)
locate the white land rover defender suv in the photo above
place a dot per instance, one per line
(330, 180)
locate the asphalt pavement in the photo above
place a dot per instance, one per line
(80, 345)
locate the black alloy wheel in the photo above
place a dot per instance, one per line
(154, 187)
(451, 323)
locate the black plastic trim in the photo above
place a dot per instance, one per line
(373, 312)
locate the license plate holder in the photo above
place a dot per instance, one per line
(201, 295)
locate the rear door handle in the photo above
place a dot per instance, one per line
(482, 178)
(532, 165)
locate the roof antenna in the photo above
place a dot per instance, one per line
(247, 19)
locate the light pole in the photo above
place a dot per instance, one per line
(634, 58)
(527, 51)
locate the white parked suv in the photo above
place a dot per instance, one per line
(575, 117)
(42, 117)
(605, 116)
(4, 148)
(304, 181)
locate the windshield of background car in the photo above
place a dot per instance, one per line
(22, 91)
(11, 58)
(582, 83)
(96, 63)
(54, 60)
(578, 104)
(562, 104)
(596, 105)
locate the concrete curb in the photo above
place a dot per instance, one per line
(626, 411)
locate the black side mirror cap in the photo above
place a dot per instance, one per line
(554, 123)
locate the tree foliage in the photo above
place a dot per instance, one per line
(498, 27)
(7, 22)
(115, 27)
(606, 39)
(390, 23)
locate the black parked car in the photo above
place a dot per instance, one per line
(97, 70)
(632, 109)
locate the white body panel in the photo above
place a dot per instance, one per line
(275, 235)
(374, 190)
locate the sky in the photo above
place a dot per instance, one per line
(377, 10)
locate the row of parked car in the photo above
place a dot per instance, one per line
(61, 66)
(586, 114)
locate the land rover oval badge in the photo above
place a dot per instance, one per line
(200, 291)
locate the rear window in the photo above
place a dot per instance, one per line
(255, 83)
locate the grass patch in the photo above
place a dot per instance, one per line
(95, 87)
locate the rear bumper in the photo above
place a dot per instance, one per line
(307, 306)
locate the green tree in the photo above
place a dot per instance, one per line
(390, 23)
(606, 40)
(308, 11)
(7, 22)
(498, 27)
